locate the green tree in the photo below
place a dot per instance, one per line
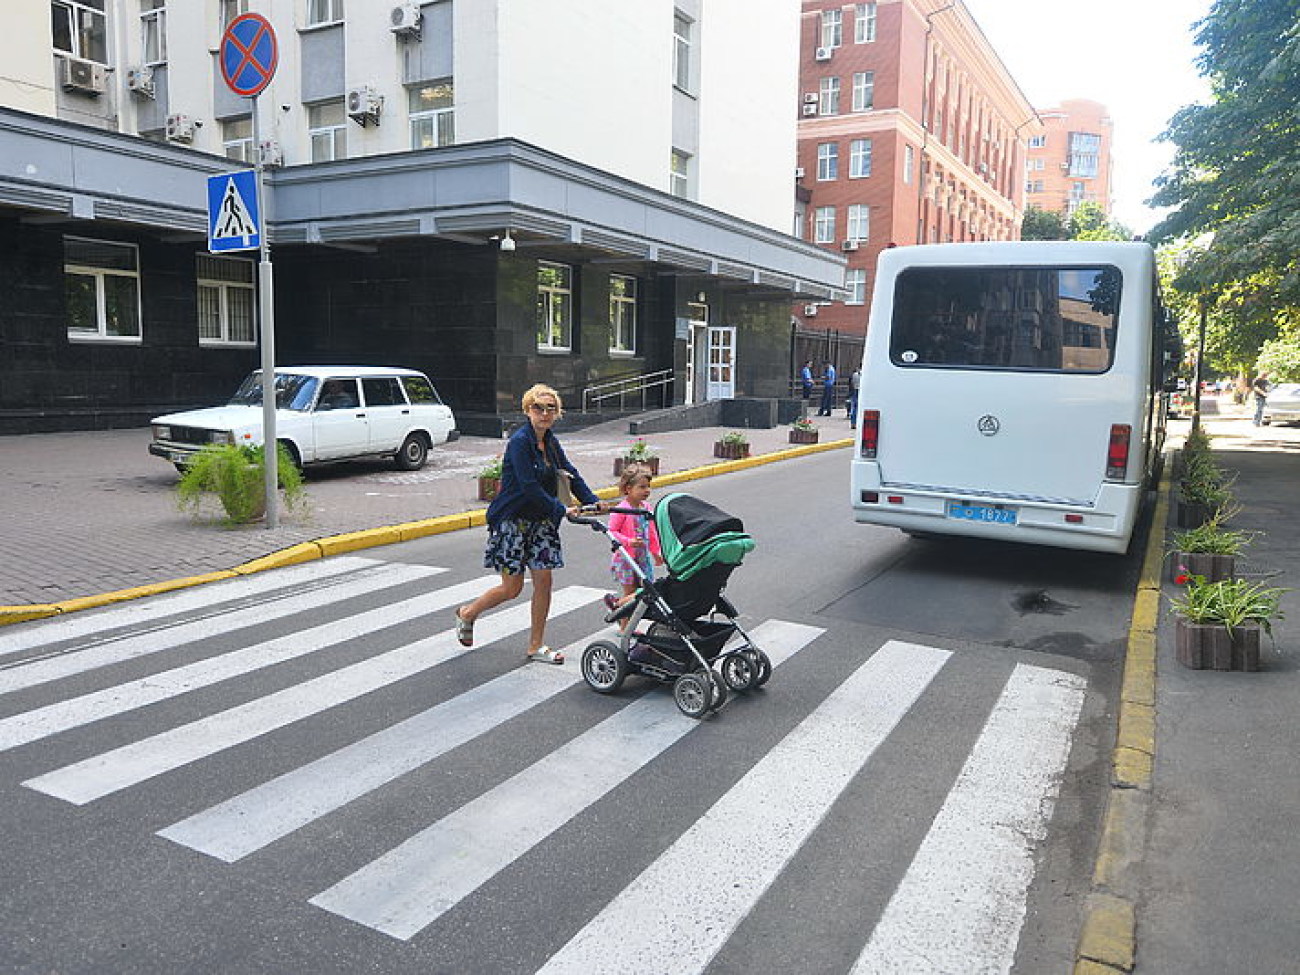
(1089, 222)
(1043, 225)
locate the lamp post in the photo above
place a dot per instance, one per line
(1203, 303)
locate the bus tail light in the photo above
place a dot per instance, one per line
(1117, 451)
(870, 433)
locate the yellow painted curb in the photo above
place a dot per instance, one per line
(1108, 932)
(21, 614)
(1137, 728)
(432, 526)
(135, 592)
(1123, 840)
(1086, 967)
(1130, 769)
(294, 555)
(352, 541)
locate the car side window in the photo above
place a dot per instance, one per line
(420, 390)
(383, 391)
(338, 394)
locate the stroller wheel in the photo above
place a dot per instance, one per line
(719, 691)
(693, 693)
(604, 667)
(764, 667)
(740, 671)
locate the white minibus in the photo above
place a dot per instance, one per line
(1013, 391)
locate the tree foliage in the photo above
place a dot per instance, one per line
(1043, 225)
(1087, 222)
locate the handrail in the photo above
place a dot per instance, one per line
(620, 389)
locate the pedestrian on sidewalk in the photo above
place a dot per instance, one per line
(1260, 387)
(524, 520)
(855, 384)
(828, 391)
(806, 378)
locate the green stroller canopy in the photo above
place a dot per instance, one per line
(695, 535)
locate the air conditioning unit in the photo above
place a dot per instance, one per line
(404, 19)
(824, 53)
(810, 311)
(798, 172)
(269, 153)
(85, 77)
(1065, 166)
(364, 105)
(849, 245)
(984, 168)
(810, 98)
(810, 109)
(180, 128)
(139, 80)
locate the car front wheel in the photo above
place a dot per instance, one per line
(412, 454)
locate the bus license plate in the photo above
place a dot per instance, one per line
(981, 512)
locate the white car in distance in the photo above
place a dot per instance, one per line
(323, 413)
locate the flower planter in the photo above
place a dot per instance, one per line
(1208, 565)
(650, 462)
(730, 451)
(1210, 646)
(1193, 514)
(488, 488)
(803, 436)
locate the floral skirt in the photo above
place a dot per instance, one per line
(623, 574)
(516, 544)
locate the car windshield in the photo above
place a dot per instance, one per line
(292, 391)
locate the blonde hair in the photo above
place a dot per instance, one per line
(631, 474)
(539, 390)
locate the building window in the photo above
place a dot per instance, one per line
(153, 31)
(864, 23)
(327, 129)
(102, 282)
(909, 163)
(824, 225)
(828, 161)
(830, 97)
(859, 158)
(80, 29)
(855, 279)
(1037, 142)
(859, 228)
(321, 12)
(679, 174)
(433, 117)
(226, 300)
(230, 9)
(832, 28)
(237, 139)
(554, 306)
(681, 51)
(1085, 151)
(622, 313)
(1034, 186)
(864, 91)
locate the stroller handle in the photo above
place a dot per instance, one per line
(597, 525)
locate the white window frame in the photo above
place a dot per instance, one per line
(237, 139)
(855, 280)
(622, 315)
(1038, 142)
(553, 299)
(824, 225)
(229, 294)
(100, 275)
(679, 174)
(682, 49)
(859, 222)
(864, 23)
(153, 32)
(859, 158)
(832, 28)
(86, 23)
(864, 91)
(230, 9)
(828, 161)
(320, 130)
(828, 98)
(909, 163)
(433, 127)
(322, 13)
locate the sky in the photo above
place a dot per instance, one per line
(1134, 56)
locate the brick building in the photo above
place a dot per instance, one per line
(911, 130)
(1069, 162)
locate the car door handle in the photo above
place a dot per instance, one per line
(361, 416)
(406, 412)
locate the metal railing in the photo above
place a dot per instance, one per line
(635, 389)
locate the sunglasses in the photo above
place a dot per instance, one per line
(542, 408)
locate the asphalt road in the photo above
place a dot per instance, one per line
(301, 771)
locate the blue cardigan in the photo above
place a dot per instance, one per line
(523, 494)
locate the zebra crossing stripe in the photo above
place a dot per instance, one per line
(29, 726)
(45, 632)
(247, 822)
(964, 895)
(411, 886)
(29, 673)
(755, 828)
(112, 771)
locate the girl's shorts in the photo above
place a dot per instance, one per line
(516, 544)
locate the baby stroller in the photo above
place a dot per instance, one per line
(673, 633)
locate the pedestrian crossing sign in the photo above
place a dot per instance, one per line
(234, 223)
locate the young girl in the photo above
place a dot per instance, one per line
(635, 533)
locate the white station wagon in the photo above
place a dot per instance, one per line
(324, 413)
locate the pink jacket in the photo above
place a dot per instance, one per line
(623, 529)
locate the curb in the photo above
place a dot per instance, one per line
(1108, 940)
(373, 537)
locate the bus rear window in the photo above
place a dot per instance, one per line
(1039, 319)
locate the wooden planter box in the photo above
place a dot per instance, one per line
(803, 436)
(1209, 646)
(1214, 568)
(488, 488)
(1192, 514)
(730, 451)
(651, 462)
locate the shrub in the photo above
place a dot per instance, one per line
(1228, 602)
(236, 474)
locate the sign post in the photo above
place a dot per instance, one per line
(248, 56)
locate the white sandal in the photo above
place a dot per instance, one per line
(546, 655)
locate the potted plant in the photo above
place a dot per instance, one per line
(489, 480)
(640, 453)
(236, 474)
(733, 445)
(1203, 491)
(803, 430)
(1219, 623)
(1209, 550)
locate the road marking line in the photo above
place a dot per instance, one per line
(412, 885)
(755, 829)
(964, 896)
